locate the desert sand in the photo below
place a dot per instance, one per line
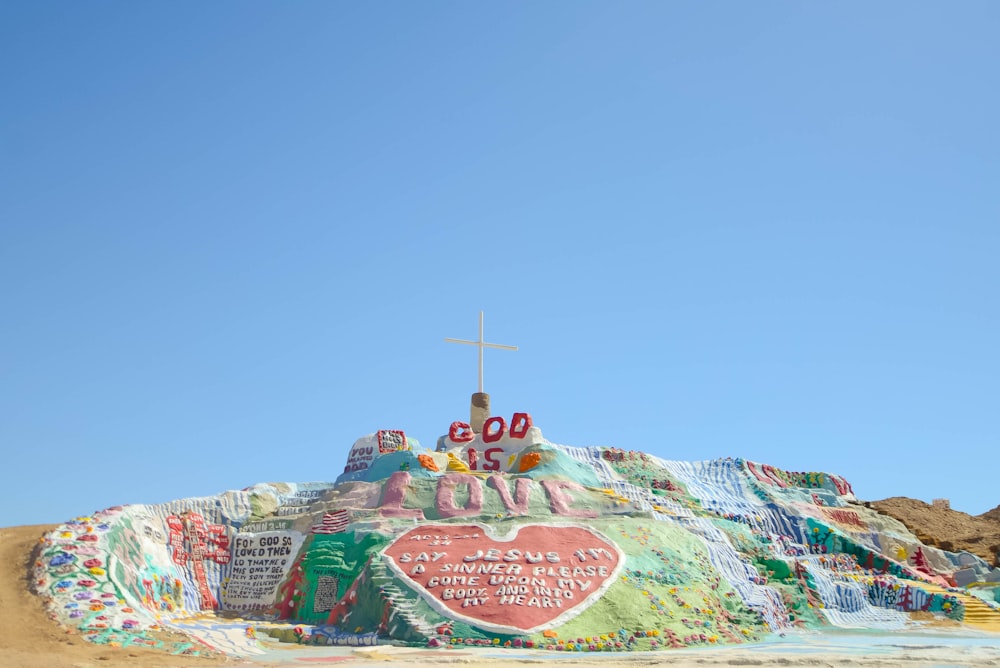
(30, 639)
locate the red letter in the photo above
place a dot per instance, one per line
(520, 423)
(492, 437)
(491, 464)
(460, 432)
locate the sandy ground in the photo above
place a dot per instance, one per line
(29, 639)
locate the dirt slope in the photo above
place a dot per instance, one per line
(992, 515)
(948, 529)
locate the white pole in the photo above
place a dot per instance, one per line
(481, 341)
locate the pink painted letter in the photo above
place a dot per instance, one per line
(559, 500)
(392, 500)
(445, 498)
(522, 492)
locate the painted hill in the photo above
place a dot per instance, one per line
(504, 538)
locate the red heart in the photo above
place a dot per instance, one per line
(537, 577)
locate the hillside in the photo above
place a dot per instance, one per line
(992, 515)
(503, 538)
(948, 529)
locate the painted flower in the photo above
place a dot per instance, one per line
(61, 559)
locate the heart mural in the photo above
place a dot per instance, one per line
(537, 577)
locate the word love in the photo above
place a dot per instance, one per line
(536, 578)
(560, 500)
(493, 429)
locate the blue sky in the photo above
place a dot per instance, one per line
(233, 237)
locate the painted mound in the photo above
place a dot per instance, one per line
(504, 538)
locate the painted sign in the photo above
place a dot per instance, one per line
(495, 448)
(260, 562)
(560, 500)
(326, 593)
(362, 454)
(537, 577)
(391, 440)
(267, 525)
(493, 429)
(193, 542)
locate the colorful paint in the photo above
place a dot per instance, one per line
(502, 539)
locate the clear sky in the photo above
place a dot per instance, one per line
(233, 237)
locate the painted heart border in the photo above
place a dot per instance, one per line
(430, 529)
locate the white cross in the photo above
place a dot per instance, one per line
(482, 344)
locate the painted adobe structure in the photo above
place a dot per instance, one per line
(504, 538)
